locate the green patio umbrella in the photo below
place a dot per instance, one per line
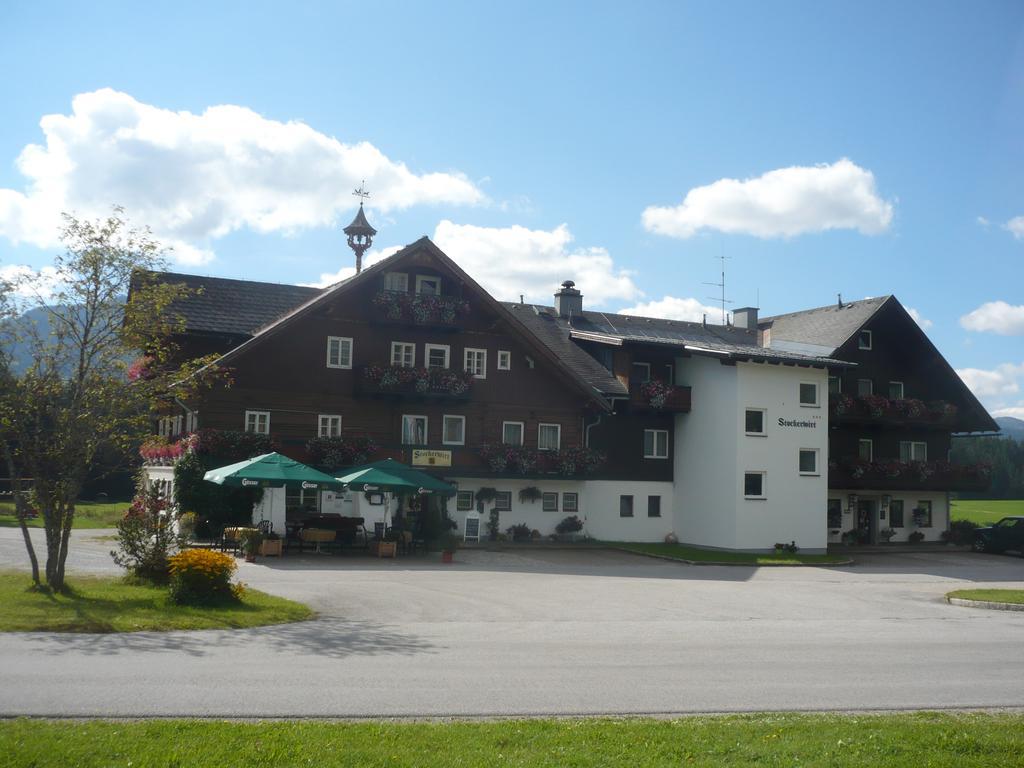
(271, 470)
(393, 476)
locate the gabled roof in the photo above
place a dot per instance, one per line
(827, 327)
(232, 307)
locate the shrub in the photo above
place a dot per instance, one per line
(187, 524)
(790, 548)
(960, 532)
(202, 577)
(886, 534)
(145, 537)
(915, 537)
(520, 532)
(571, 524)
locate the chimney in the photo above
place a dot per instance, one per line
(568, 300)
(745, 317)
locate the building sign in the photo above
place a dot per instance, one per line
(802, 423)
(424, 458)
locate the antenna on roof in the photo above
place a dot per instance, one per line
(722, 300)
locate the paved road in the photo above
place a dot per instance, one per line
(548, 633)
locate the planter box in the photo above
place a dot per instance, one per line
(384, 548)
(271, 547)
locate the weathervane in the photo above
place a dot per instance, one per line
(361, 192)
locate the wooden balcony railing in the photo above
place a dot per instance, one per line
(659, 396)
(415, 383)
(875, 409)
(908, 475)
(420, 308)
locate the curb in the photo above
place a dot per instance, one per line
(986, 604)
(732, 565)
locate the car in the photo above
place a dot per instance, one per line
(1008, 533)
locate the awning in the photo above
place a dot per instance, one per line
(394, 476)
(271, 470)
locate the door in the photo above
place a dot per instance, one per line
(867, 523)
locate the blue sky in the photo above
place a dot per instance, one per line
(530, 139)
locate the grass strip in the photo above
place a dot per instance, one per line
(695, 555)
(106, 604)
(985, 511)
(88, 514)
(895, 740)
(1013, 596)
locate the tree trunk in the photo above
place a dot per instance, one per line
(67, 520)
(21, 511)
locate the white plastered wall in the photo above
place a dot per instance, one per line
(940, 512)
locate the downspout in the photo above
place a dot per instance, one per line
(586, 441)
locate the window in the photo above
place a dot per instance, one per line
(865, 387)
(864, 340)
(896, 514)
(911, 451)
(640, 373)
(923, 514)
(257, 421)
(437, 355)
(453, 430)
(403, 354)
(339, 352)
(414, 430)
(654, 506)
(192, 421)
(476, 362)
(835, 385)
(427, 285)
(835, 513)
(503, 501)
(396, 281)
(465, 501)
(169, 426)
(625, 506)
(895, 390)
(866, 450)
(808, 393)
(549, 502)
(549, 437)
(504, 360)
(753, 421)
(329, 425)
(512, 432)
(301, 500)
(808, 461)
(753, 485)
(655, 443)
(570, 502)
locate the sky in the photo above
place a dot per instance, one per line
(859, 149)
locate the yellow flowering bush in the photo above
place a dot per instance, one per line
(202, 576)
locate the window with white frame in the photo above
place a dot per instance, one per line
(329, 425)
(866, 449)
(808, 394)
(753, 421)
(414, 430)
(504, 360)
(640, 373)
(655, 443)
(339, 352)
(895, 390)
(923, 514)
(428, 285)
(169, 426)
(465, 501)
(437, 355)
(864, 340)
(753, 485)
(512, 432)
(549, 502)
(396, 281)
(896, 514)
(808, 461)
(475, 362)
(258, 422)
(503, 501)
(570, 502)
(403, 354)
(913, 451)
(835, 385)
(865, 387)
(549, 437)
(192, 421)
(453, 430)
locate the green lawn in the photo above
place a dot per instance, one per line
(680, 552)
(88, 514)
(986, 512)
(894, 740)
(104, 604)
(1015, 596)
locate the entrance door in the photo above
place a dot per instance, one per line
(867, 524)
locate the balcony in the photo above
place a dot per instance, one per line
(858, 474)
(413, 383)
(658, 397)
(519, 460)
(420, 309)
(875, 409)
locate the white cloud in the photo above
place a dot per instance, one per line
(197, 177)
(996, 317)
(924, 322)
(781, 203)
(1017, 411)
(371, 258)
(1002, 381)
(509, 261)
(674, 308)
(983, 222)
(1016, 226)
(28, 283)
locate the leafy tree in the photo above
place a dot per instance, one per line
(74, 400)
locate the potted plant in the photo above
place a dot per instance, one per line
(449, 544)
(915, 537)
(386, 547)
(886, 534)
(251, 539)
(271, 545)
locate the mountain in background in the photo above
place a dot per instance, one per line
(1011, 428)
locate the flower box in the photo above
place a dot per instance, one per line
(271, 548)
(384, 548)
